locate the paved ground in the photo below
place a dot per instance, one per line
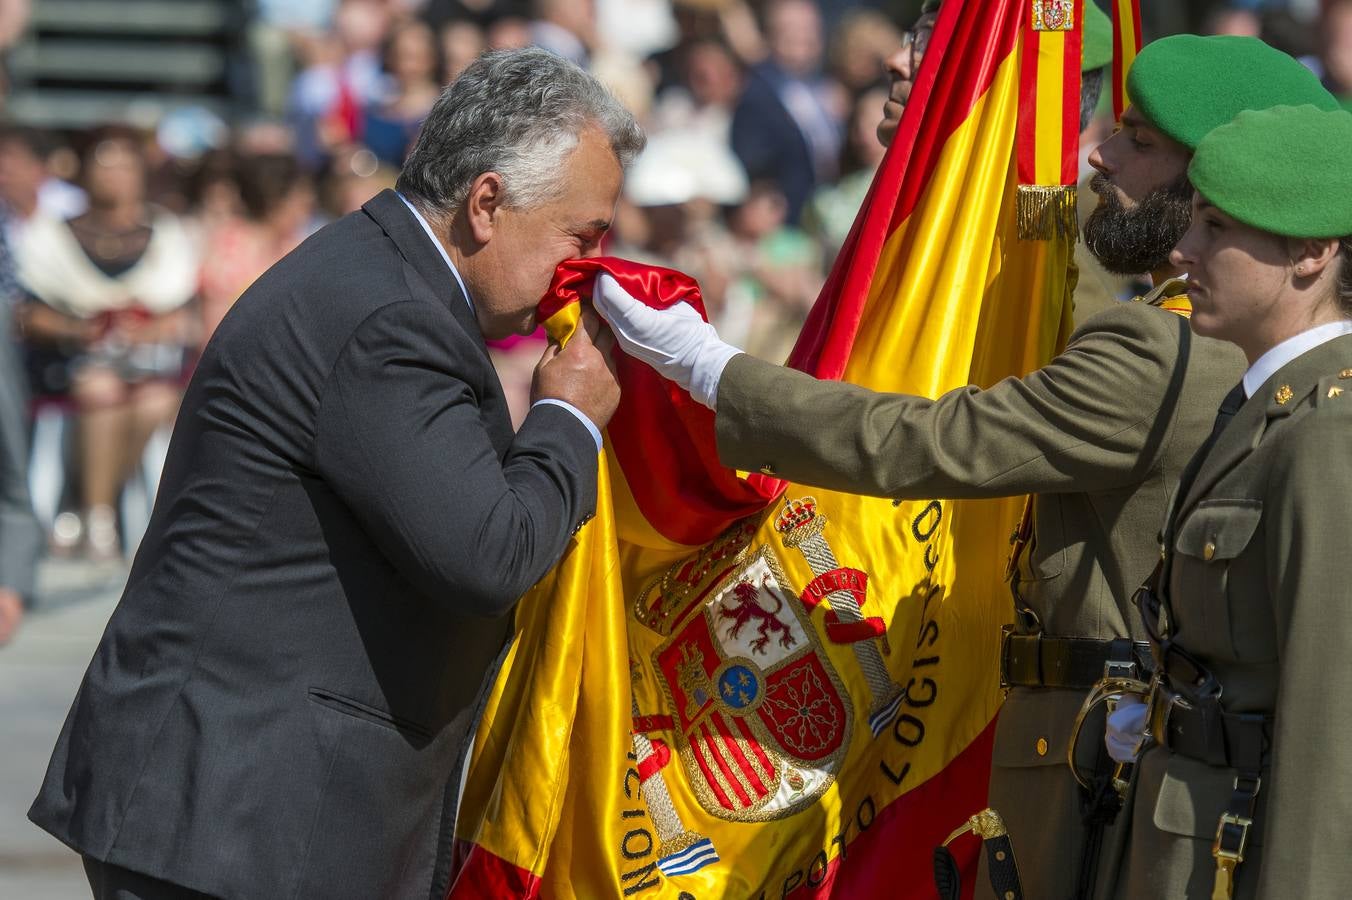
(39, 672)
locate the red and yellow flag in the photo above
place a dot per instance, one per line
(736, 687)
(1126, 44)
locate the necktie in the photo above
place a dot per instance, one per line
(1229, 406)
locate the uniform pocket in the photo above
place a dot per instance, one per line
(1210, 539)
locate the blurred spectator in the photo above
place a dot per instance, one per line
(565, 27)
(412, 58)
(279, 205)
(20, 534)
(354, 178)
(787, 126)
(272, 37)
(462, 40)
(1337, 47)
(859, 51)
(775, 277)
(1234, 20)
(13, 20)
(341, 75)
(831, 211)
(27, 186)
(110, 291)
(703, 99)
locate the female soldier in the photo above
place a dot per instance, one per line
(1247, 791)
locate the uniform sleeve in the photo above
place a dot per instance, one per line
(1093, 418)
(1309, 827)
(401, 441)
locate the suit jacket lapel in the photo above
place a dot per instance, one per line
(390, 213)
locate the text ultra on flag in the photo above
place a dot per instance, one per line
(736, 687)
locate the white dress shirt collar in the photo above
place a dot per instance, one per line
(440, 249)
(1267, 365)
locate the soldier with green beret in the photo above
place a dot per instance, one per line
(1100, 434)
(1245, 789)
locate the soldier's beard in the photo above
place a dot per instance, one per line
(1136, 241)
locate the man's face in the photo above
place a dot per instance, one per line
(795, 36)
(901, 68)
(528, 244)
(1144, 197)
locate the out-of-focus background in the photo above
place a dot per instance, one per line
(157, 155)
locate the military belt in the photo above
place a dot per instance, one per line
(1205, 731)
(1047, 661)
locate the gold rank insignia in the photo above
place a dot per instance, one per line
(1345, 373)
(1284, 394)
(1334, 391)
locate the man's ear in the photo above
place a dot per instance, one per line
(485, 200)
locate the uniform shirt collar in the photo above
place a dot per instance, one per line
(440, 249)
(1267, 365)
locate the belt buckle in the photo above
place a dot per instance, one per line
(1121, 669)
(1220, 848)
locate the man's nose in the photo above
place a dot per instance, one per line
(898, 65)
(1099, 160)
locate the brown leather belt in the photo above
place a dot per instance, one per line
(1047, 661)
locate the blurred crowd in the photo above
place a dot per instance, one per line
(123, 249)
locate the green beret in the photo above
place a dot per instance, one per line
(1286, 170)
(1187, 85)
(1097, 37)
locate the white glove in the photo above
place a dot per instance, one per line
(676, 342)
(1126, 728)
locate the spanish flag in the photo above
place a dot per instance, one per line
(732, 686)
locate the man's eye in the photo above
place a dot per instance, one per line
(1139, 144)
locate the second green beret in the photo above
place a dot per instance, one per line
(1286, 170)
(1097, 36)
(1186, 85)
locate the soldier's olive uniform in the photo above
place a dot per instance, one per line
(1100, 434)
(1258, 588)
(1251, 618)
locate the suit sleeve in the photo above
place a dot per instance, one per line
(1093, 418)
(1309, 825)
(401, 441)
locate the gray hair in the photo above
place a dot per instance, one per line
(518, 113)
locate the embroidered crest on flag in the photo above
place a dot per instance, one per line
(1053, 15)
(760, 718)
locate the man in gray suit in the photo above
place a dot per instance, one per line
(281, 704)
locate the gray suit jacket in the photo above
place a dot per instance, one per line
(1100, 434)
(281, 700)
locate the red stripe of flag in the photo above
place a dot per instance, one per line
(739, 757)
(710, 777)
(947, 88)
(722, 763)
(1025, 135)
(1070, 98)
(755, 746)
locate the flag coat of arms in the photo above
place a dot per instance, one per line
(732, 686)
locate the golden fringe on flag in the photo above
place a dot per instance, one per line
(1049, 120)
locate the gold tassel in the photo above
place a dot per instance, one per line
(1047, 212)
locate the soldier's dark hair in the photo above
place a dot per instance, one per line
(1091, 88)
(1343, 288)
(518, 113)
